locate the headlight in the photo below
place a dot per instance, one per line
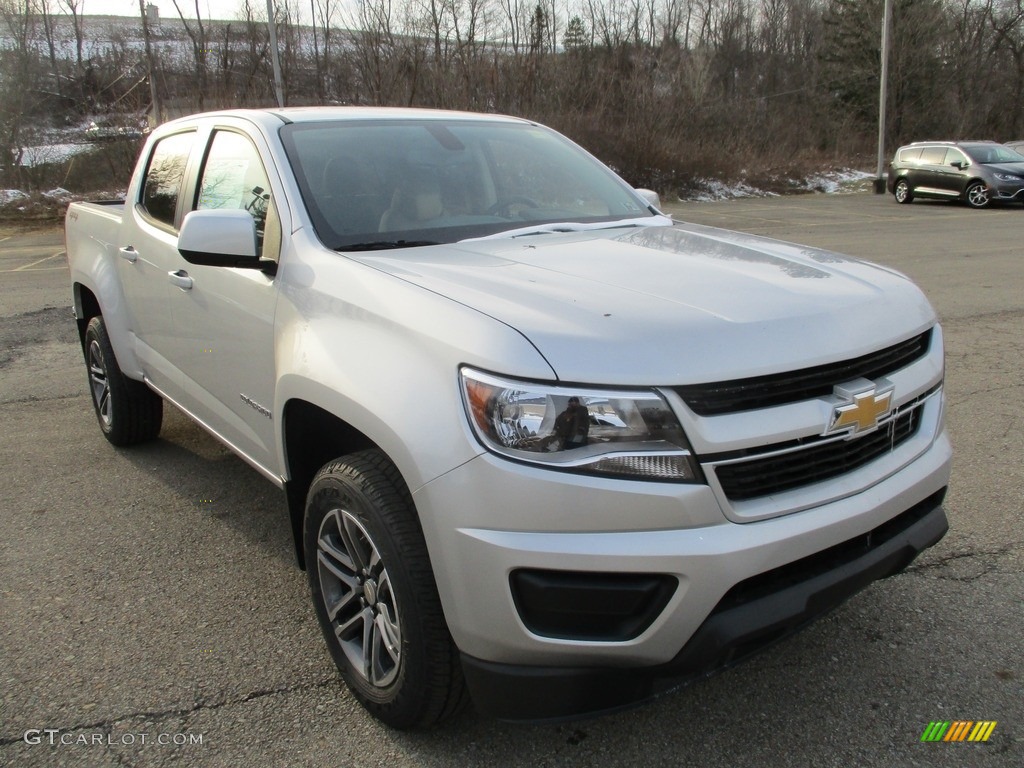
(630, 434)
(1007, 177)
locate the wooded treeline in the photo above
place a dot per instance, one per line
(664, 90)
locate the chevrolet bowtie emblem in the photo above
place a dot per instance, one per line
(862, 404)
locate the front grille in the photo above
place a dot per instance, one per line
(782, 472)
(805, 384)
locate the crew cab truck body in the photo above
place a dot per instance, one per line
(537, 441)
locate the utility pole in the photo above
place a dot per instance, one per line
(882, 93)
(275, 56)
(157, 114)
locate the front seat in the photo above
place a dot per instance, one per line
(350, 202)
(415, 203)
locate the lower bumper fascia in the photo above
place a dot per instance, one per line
(752, 616)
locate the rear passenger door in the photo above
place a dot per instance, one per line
(937, 177)
(148, 249)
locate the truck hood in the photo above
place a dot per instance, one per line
(681, 304)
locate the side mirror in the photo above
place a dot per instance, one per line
(219, 238)
(958, 165)
(650, 196)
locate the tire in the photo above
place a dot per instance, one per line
(902, 192)
(976, 195)
(375, 596)
(128, 411)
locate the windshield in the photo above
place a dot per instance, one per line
(384, 183)
(992, 154)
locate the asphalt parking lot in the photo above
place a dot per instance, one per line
(151, 613)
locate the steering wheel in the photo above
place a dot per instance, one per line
(504, 206)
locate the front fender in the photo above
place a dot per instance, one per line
(383, 356)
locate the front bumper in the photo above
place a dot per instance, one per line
(557, 586)
(753, 614)
(1008, 192)
(540, 520)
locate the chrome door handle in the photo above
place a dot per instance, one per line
(181, 279)
(128, 253)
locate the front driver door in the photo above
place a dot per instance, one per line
(224, 317)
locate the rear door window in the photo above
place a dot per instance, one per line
(164, 176)
(933, 155)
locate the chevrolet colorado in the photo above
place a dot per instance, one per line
(541, 446)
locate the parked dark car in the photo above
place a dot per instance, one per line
(977, 172)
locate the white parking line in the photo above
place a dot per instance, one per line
(39, 269)
(24, 267)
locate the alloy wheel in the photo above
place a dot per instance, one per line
(977, 196)
(99, 383)
(358, 598)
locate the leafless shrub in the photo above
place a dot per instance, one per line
(667, 91)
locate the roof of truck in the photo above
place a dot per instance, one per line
(318, 114)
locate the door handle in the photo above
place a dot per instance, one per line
(181, 279)
(128, 253)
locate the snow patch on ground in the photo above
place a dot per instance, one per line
(832, 182)
(52, 153)
(8, 196)
(712, 189)
(838, 182)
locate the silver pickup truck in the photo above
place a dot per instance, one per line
(541, 446)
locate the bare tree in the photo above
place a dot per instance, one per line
(200, 48)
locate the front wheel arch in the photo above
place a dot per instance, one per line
(312, 436)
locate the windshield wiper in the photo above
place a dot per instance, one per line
(576, 226)
(384, 245)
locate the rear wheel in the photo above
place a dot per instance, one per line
(374, 593)
(902, 192)
(128, 411)
(976, 195)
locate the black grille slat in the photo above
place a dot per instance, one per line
(779, 389)
(774, 474)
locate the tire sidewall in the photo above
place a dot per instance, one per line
(96, 333)
(398, 703)
(967, 195)
(136, 412)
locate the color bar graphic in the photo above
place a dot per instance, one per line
(958, 730)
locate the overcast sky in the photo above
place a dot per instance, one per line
(211, 9)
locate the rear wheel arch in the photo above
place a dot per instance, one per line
(87, 306)
(902, 191)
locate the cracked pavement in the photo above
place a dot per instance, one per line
(152, 593)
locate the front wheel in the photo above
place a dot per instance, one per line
(902, 192)
(128, 411)
(375, 596)
(977, 195)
